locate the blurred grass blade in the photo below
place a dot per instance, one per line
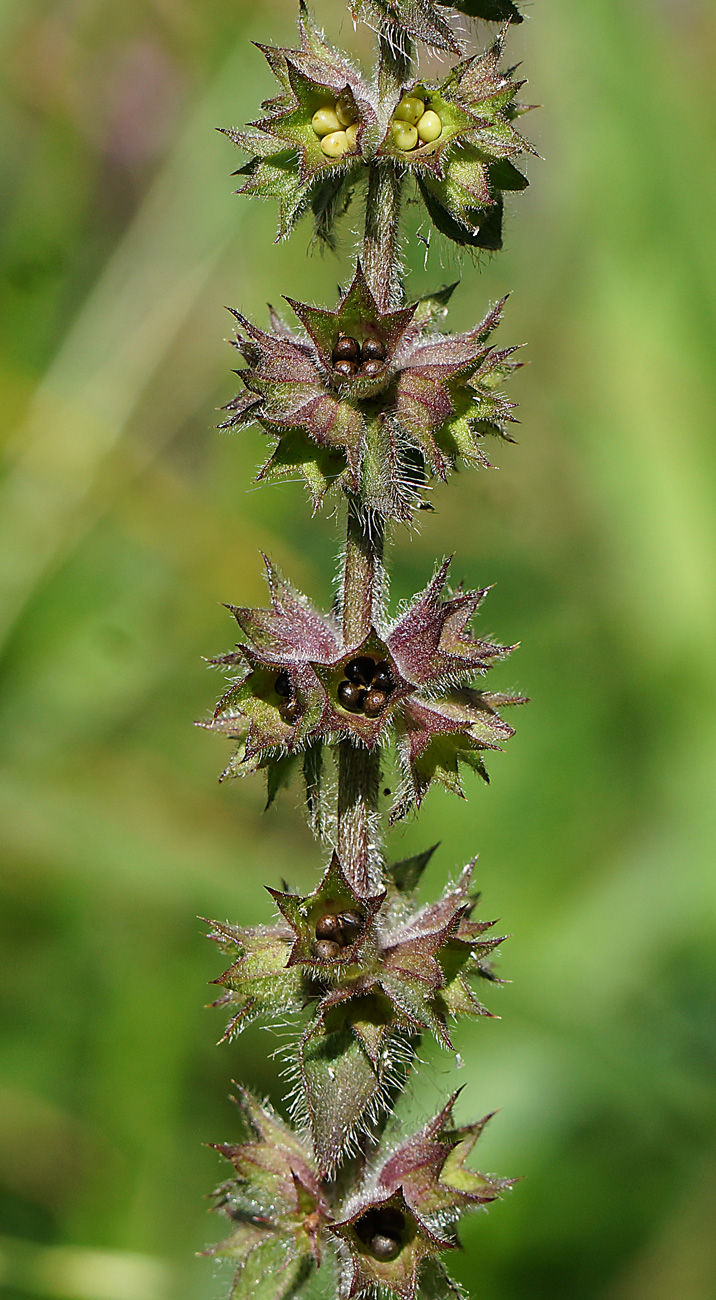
(84, 404)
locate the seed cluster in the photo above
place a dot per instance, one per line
(336, 126)
(353, 358)
(382, 1231)
(413, 125)
(334, 932)
(288, 708)
(368, 686)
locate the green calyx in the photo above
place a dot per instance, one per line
(371, 402)
(463, 163)
(365, 976)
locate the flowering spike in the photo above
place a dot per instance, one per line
(373, 401)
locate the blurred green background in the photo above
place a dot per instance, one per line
(125, 520)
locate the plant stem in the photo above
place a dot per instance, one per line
(364, 573)
(396, 54)
(358, 786)
(359, 768)
(381, 260)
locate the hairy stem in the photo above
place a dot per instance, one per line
(359, 768)
(381, 258)
(396, 55)
(363, 572)
(358, 785)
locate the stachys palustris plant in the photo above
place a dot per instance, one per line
(370, 401)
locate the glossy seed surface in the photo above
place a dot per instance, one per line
(325, 121)
(371, 368)
(346, 111)
(328, 926)
(349, 925)
(360, 669)
(429, 127)
(289, 710)
(383, 677)
(351, 696)
(346, 349)
(410, 109)
(405, 136)
(336, 144)
(345, 368)
(374, 703)
(384, 1247)
(282, 685)
(327, 950)
(374, 350)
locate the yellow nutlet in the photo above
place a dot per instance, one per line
(346, 111)
(325, 121)
(336, 144)
(429, 127)
(352, 134)
(410, 109)
(404, 135)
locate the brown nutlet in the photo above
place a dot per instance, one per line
(371, 368)
(350, 696)
(374, 350)
(350, 924)
(327, 950)
(346, 349)
(360, 670)
(374, 703)
(282, 685)
(345, 368)
(289, 709)
(328, 926)
(383, 677)
(384, 1247)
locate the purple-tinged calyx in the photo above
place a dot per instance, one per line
(276, 1204)
(410, 405)
(396, 1227)
(412, 681)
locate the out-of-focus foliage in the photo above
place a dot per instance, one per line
(125, 520)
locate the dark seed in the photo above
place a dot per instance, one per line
(346, 349)
(385, 1247)
(350, 925)
(289, 710)
(382, 1230)
(327, 950)
(328, 926)
(383, 677)
(345, 368)
(371, 368)
(374, 703)
(360, 670)
(351, 697)
(282, 685)
(374, 350)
